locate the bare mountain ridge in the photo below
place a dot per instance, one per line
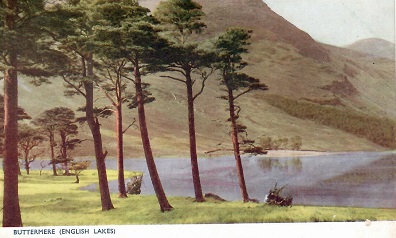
(375, 47)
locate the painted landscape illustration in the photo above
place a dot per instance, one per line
(124, 112)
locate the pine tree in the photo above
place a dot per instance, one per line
(23, 50)
(127, 33)
(113, 82)
(182, 19)
(59, 120)
(71, 26)
(230, 47)
(28, 139)
(22, 115)
(113, 86)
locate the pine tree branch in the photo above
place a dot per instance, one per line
(98, 98)
(5, 60)
(129, 126)
(216, 150)
(244, 92)
(237, 110)
(110, 77)
(33, 158)
(204, 76)
(174, 68)
(173, 78)
(113, 102)
(73, 86)
(129, 78)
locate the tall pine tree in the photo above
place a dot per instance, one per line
(127, 33)
(230, 46)
(51, 121)
(113, 79)
(71, 25)
(182, 20)
(23, 50)
(113, 85)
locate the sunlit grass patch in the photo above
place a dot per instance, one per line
(48, 200)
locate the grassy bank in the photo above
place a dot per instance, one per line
(57, 201)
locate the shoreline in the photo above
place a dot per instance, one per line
(271, 153)
(308, 153)
(296, 153)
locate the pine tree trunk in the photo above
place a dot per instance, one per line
(120, 153)
(64, 152)
(27, 168)
(19, 170)
(11, 209)
(235, 142)
(159, 191)
(27, 163)
(94, 126)
(193, 144)
(52, 143)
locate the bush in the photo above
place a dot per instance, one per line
(268, 143)
(274, 197)
(296, 143)
(134, 184)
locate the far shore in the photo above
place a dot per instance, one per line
(306, 153)
(271, 153)
(295, 153)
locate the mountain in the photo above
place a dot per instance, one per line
(375, 47)
(257, 16)
(287, 59)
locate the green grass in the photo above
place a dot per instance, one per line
(57, 201)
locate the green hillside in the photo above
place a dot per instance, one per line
(292, 65)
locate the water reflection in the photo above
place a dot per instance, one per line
(363, 179)
(293, 166)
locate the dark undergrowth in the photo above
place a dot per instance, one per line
(379, 130)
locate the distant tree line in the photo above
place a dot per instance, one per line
(269, 143)
(57, 126)
(379, 130)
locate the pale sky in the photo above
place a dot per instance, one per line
(340, 22)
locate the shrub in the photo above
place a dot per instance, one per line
(274, 197)
(296, 143)
(134, 184)
(268, 143)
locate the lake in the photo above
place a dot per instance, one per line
(358, 179)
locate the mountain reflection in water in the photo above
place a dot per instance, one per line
(359, 179)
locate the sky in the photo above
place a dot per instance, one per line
(339, 22)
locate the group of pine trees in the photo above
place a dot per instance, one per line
(109, 45)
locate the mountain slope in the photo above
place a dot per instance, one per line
(375, 47)
(257, 16)
(287, 59)
(266, 24)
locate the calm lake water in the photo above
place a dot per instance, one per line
(360, 179)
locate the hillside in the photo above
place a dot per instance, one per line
(257, 16)
(282, 56)
(375, 47)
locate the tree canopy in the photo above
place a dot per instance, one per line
(183, 17)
